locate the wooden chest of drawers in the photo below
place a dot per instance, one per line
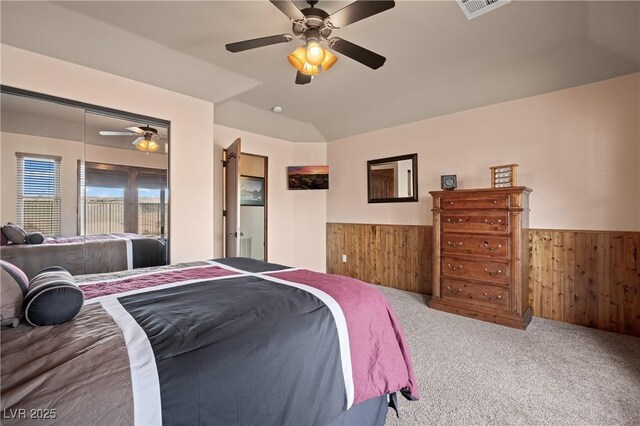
(480, 259)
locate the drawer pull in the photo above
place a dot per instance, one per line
(494, 201)
(499, 222)
(454, 245)
(498, 297)
(455, 268)
(455, 290)
(451, 202)
(499, 271)
(486, 245)
(453, 220)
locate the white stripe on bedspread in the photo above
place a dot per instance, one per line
(147, 406)
(338, 316)
(129, 250)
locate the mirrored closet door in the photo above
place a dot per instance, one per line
(123, 187)
(41, 144)
(83, 187)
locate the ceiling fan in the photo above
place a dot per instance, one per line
(314, 26)
(148, 138)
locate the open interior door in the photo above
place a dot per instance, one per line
(232, 200)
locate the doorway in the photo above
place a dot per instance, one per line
(246, 203)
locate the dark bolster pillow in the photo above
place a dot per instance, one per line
(15, 233)
(53, 297)
(35, 238)
(14, 285)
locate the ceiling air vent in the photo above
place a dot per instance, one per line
(475, 8)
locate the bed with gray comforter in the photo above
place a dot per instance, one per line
(223, 342)
(104, 253)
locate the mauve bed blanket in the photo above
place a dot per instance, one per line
(229, 341)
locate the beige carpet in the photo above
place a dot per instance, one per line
(474, 373)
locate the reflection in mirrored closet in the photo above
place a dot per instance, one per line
(82, 189)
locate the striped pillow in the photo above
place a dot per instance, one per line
(53, 297)
(13, 286)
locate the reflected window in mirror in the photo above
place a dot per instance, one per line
(38, 200)
(129, 199)
(393, 179)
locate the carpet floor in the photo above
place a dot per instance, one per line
(474, 373)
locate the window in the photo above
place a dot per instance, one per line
(38, 193)
(121, 198)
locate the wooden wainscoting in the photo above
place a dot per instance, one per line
(588, 278)
(397, 256)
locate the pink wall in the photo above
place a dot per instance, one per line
(191, 160)
(296, 228)
(578, 149)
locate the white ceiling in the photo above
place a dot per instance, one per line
(438, 62)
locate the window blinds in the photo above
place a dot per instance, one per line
(38, 193)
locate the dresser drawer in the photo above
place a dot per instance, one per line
(454, 203)
(476, 221)
(493, 247)
(498, 273)
(476, 293)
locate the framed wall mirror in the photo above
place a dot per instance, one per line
(393, 179)
(90, 182)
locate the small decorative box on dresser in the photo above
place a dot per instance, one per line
(480, 254)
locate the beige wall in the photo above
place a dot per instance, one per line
(191, 167)
(70, 152)
(296, 227)
(578, 149)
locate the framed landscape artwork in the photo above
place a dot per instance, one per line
(251, 191)
(308, 177)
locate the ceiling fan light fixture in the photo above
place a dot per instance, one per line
(309, 69)
(329, 60)
(147, 145)
(297, 58)
(315, 53)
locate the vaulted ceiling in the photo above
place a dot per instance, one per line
(438, 62)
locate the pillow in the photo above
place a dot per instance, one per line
(53, 297)
(14, 285)
(3, 238)
(35, 238)
(15, 233)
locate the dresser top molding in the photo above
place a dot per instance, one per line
(487, 190)
(514, 196)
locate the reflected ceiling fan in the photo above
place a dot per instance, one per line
(148, 139)
(314, 26)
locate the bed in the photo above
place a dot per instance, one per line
(104, 252)
(226, 341)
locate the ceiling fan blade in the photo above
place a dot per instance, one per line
(135, 129)
(302, 78)
(109, 133)
(357, 53)
(137, 141)
(288, 8)
(258, 42)
(359, 10)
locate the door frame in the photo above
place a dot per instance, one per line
(266, 202)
